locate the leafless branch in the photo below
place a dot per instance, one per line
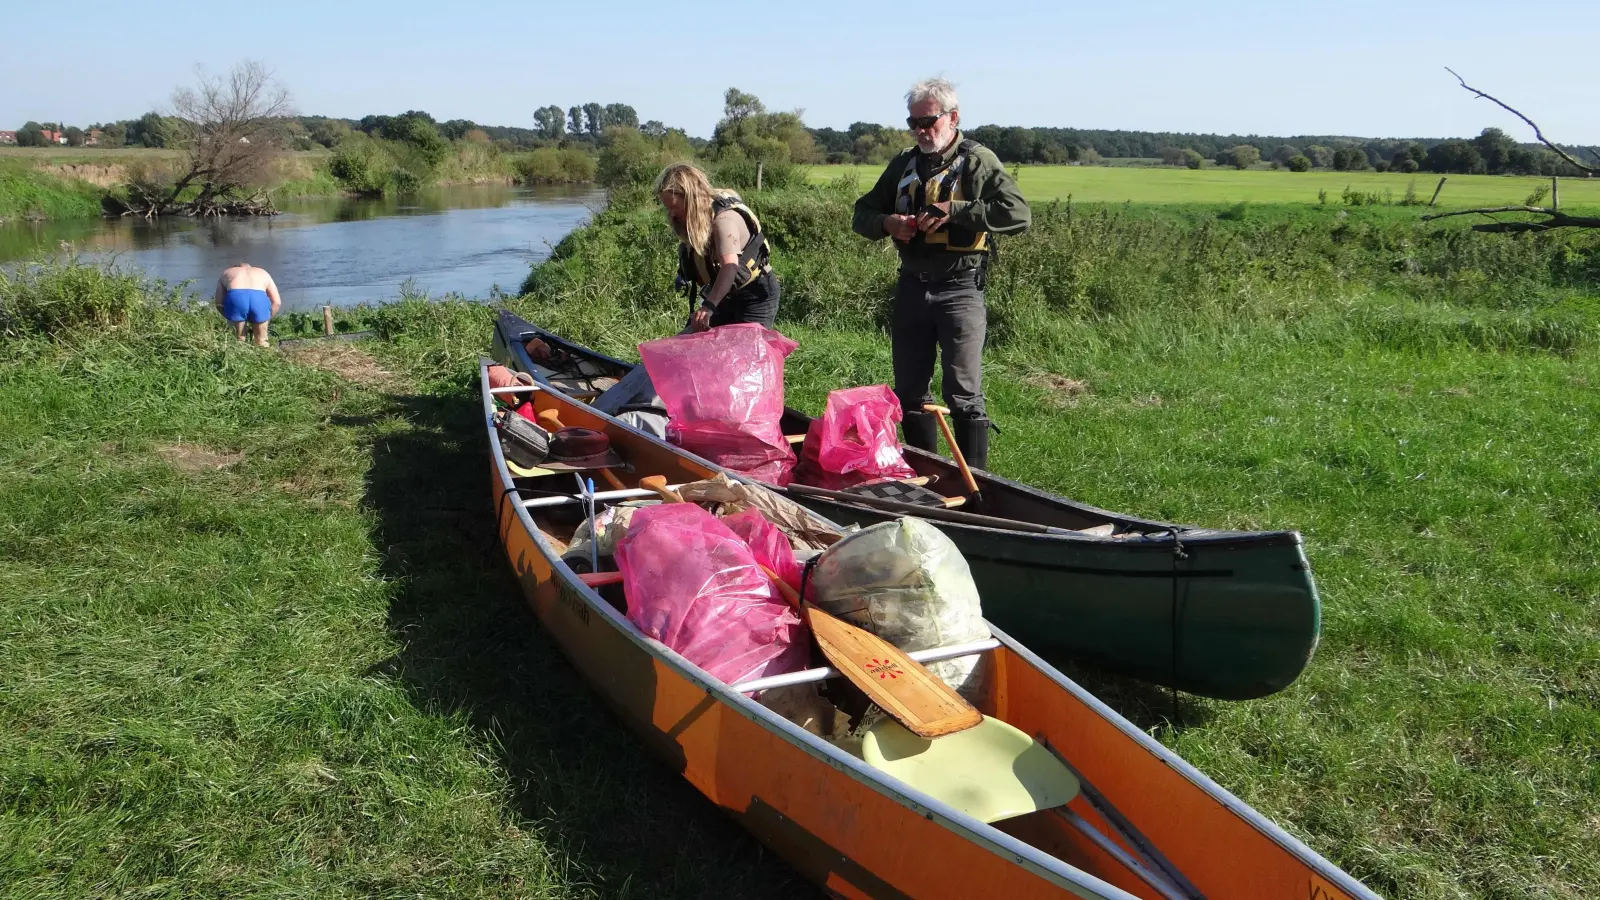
(229, 131)
(1531, 124)
(1554, 219)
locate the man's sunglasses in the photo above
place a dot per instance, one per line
(925, 122)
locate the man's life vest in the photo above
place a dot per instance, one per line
(694, 266)
(947, 184)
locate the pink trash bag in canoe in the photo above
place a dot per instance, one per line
(693, 584)
(767, 542)
(854, 440)
(723, 391)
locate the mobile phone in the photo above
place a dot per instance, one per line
(934, 212)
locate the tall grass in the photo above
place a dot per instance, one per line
(57, 297)
(1090, 266)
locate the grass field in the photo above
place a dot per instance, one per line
(1120, 184)
(259, 642)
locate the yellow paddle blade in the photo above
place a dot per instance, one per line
(990, 772)
(902, 686)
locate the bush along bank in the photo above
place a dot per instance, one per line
(1376, 271)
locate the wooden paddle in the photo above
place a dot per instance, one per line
(906, 690)
(903, 687)
(658, 483)
(939, 412)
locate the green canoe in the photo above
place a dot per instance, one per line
(1227, 614)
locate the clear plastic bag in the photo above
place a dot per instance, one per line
(723, 392)
(906, 582)
(854, 440)
(694, 585)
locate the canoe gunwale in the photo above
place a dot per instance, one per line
(1010, 849)
(1006, 847)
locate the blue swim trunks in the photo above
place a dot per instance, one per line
(247, 305)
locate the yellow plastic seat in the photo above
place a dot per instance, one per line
(990, 772)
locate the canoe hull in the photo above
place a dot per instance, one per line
(1227, 615)
(1231, 618)
(836, 830)
(857, 832)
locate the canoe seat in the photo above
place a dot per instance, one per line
(990, 772)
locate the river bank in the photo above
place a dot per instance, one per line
(336, 250)
(46, 184)
(284, 570)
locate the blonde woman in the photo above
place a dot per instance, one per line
(722, 253)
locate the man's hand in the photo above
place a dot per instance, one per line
(901, 228)
(701, 320)
(927, 223)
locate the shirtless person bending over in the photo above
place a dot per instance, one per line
(246, 293)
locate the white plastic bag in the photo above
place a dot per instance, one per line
(904, 581)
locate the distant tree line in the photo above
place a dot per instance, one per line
(1492, 152)
(749, 131)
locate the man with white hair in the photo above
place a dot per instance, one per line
(942, 202)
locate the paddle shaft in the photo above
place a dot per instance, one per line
(933, 513)
(939, 413)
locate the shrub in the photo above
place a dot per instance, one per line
(1193, 159)
(55, 296)
(1241, 157)
(1299, 163)
(628, 158)
(549, 165)
(1350, 159)
(741, 175)
(362, 165)
(1408, 166)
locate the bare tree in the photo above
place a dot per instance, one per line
(1554, 218)
(228, 131)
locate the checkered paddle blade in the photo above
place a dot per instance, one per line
(899, 491)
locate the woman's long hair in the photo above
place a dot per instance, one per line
(688, 182)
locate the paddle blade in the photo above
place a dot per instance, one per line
(906, 690)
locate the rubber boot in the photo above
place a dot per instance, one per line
(921, 431)
(972, 436)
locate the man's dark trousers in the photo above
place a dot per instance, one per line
(941, 313)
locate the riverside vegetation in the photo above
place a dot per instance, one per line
(260, 640)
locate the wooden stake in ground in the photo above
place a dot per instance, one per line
(327, 320)
(1436, 192)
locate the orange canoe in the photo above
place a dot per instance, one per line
(1144, 824)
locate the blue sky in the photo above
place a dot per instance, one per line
(1358, 67)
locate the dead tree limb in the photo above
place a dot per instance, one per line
(1554, 218)
(1531, 124)
(1557, 219)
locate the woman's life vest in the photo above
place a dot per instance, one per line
(694, 266)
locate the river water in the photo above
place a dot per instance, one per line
(339, 251)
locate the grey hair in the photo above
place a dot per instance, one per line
(936, 89)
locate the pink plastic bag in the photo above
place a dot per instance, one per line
(854, 440)
(693, 585)
(768, 542)
(723, 390)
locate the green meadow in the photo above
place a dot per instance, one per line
(1160, 184)
(258, 640)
